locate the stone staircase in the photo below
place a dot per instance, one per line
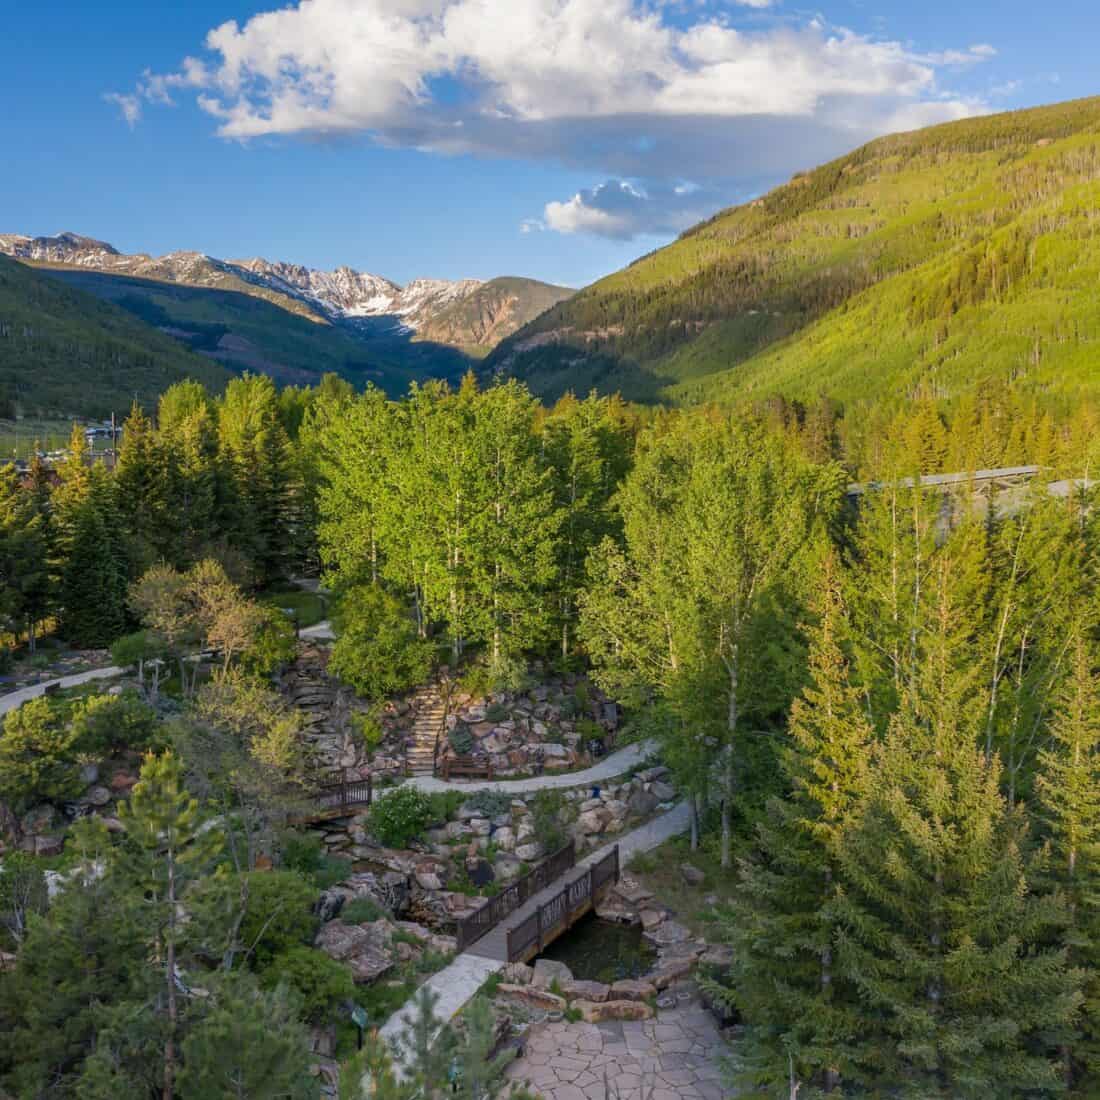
(429, 726)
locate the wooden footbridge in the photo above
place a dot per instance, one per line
(533, 911)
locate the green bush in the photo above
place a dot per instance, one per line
(546, 811)
(362, 911)
(369, 727)
(496, 712)
(279, 914)
(377, 650)
(305, 854)
(590, 731)
(461, 739)
(105, 724)
(322, 984)
(490, 803)
(443, 805)
(399, 817)
(508, 673)
(38, 756)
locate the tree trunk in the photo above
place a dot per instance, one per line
(728, 777)
(170, 969)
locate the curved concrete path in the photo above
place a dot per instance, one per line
(16, 699)
(458, 982)
(610, 767)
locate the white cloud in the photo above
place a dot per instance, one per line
(624, 210)
(129, 106)
(609, 86)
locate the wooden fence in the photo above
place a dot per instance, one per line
(561, 911)
(488, 916)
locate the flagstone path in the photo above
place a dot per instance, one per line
(674, 1056)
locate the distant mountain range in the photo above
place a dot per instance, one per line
(931, 263)
(295, 322)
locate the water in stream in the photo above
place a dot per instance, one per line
(602, 951)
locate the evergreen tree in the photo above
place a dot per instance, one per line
(88, 951)
(1069, 793)
(24, 576)
(248, 1042)
(141, 491)
(937, 929)
(803, 1016)
(168, 847)
(92, 589)
(255, 452)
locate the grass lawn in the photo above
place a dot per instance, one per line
(659, 871)
(309, 606)
(17, 437)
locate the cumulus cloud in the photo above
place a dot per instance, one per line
(622, 210)
(618, 87)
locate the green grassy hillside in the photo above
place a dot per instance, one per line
(923, 262)
(248, 333)
(63, 352)
(478, 322)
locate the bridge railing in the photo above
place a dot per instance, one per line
(558, 913)
(342, 795)
(471, 928)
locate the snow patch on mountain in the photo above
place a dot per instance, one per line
(341, 295)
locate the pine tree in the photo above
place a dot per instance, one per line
(803, 1016)
(248, 1042)
(92, 588)
(141, 491)
(937, 929)
(1069, 793)
(24, 576)
(255, 452)
(168, 847)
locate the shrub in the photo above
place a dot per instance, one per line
(508, 673)
(398, 817)
(496, 712)
(377, 650)
(444, 804)
(274, 642)
(590, 731)
(279, 914)
(461, 739)
(361, 911)
(104, 724)
(546, 811)
(322, 984)
(38, 751)
(369, 727)
(490, 803)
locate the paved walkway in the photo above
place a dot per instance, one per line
(16, 699)
(675, 1055)
(610, 767)
(459, 981)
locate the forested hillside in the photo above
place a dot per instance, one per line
(65, 352)
(245, 332)
(929, 263)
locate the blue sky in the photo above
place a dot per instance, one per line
(552, 138)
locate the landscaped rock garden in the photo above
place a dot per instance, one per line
(560, 724)
(487, 841)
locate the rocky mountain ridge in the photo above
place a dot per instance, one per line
(343, 295)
